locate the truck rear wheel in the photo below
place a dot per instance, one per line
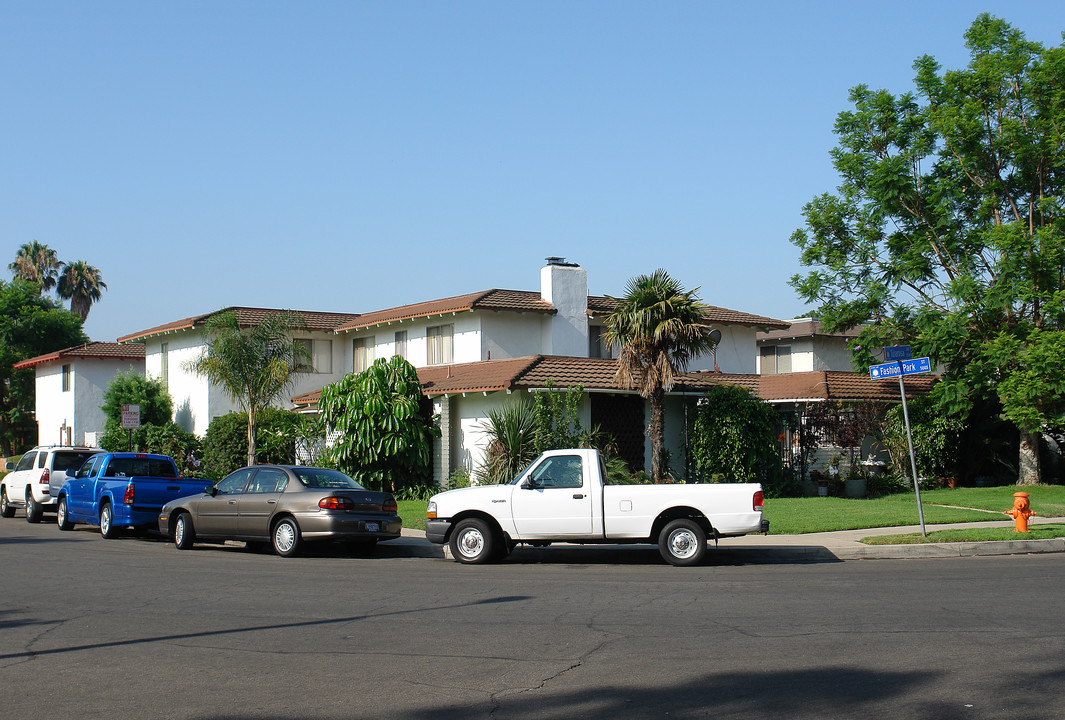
(472, 542)
(107, 525)
(682, 542)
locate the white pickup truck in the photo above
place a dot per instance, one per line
(562, 497)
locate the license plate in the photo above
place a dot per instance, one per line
(373, 527)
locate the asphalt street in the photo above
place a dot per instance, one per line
(133, 628)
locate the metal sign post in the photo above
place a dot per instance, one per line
(131, 420)
(901, 368)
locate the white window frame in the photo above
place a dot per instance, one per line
(362, 353)
(440, 344)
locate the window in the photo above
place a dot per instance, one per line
(319, 353)
(164, 351)
(269, 480)
(596, 347)
(362, 353)
(233, 484)
(440, 340)
(775, 359)
(66, 378)
(27, 461)
(561, 471)
(401, 344)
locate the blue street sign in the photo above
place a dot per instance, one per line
(901, 367)
(898, 352)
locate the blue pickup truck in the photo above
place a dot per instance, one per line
(122, 490)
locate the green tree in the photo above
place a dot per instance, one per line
(36, 263)
(659, 327)
(133, 388)
(225, 446)
(947, 231)
(254, 366)
(81, 284)
(382, 437)
(166, 439)
(735, 436)
(30, 325)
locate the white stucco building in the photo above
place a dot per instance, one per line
(70, 386)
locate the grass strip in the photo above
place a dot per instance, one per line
(1038, 532)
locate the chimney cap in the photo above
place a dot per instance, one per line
(561, 261)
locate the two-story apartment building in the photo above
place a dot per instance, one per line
(70, 386)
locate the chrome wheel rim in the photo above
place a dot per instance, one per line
(285, 537)
(61, 513)
(471, 543)
(683, 544)
(179, 530)
(105, 521)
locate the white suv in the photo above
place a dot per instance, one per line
(37, 477)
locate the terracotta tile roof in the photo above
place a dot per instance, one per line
(718, 315)
(247, 317)
(497, 300)
(805, 327)
(103, 350)
(532, 373)
(838, 385)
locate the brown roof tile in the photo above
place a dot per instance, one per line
(104, 350)
(838, 385)
(805, 328)
(512, 300)
(247, 317)
(717, 315)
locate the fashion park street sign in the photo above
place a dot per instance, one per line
(900, 367)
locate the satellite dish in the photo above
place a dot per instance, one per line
(715, 335)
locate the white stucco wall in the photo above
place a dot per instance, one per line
(831, 353)
(737, 352)
(511, 335)
(566, 288)
(466, 342)
(79, 408)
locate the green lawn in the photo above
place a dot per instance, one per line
(976, 534)
(789, 516)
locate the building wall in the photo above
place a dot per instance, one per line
(511, 335)
(831, 353)
(79, 409)
(737, 352)
(466, 342)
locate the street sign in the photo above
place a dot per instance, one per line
(900, 367)
(898, 352)
(131, 417)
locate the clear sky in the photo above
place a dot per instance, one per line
(354, 156)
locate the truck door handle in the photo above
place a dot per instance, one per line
(173, 488)
(578, 496)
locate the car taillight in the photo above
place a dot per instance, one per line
(336, 503)
(390, 505)
(127, 499)
(759, 501)
(46, 475)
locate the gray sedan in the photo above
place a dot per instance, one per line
(286, 506)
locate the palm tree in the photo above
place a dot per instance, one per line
(253, 365)
(659, 327)
(80, 283)
(36, 263)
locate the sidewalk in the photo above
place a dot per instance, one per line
(826, 546)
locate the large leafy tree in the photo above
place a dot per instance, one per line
(659, 327)
(254, 365)
(381, 435)
(81, 284)
(30, 325)
(948, 228)
(36, 263)
(133, 388)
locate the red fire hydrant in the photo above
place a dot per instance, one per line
(1021, 511)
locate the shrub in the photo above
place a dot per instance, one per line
(182, 446)
(225, 447)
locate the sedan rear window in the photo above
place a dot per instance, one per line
(320, 478)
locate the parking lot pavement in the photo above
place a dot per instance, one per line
(826, 546)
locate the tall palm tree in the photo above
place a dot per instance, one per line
(254, 365)
(80, 283)
(659, 327)
(36, 263)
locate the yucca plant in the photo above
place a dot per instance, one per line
(511, 431)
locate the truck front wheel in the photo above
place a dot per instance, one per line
(472, 542)
(682, 542)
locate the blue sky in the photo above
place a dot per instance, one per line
(354, 156)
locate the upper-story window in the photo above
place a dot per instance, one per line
(597, 347)
(66, 378)
(775, 359)
(401, 344)
(440, 340)
(362, 353)
(319, 353)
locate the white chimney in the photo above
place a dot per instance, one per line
(565, 286)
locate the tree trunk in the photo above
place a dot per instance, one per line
(657, 431)
(1029, 469)
(251, 436)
